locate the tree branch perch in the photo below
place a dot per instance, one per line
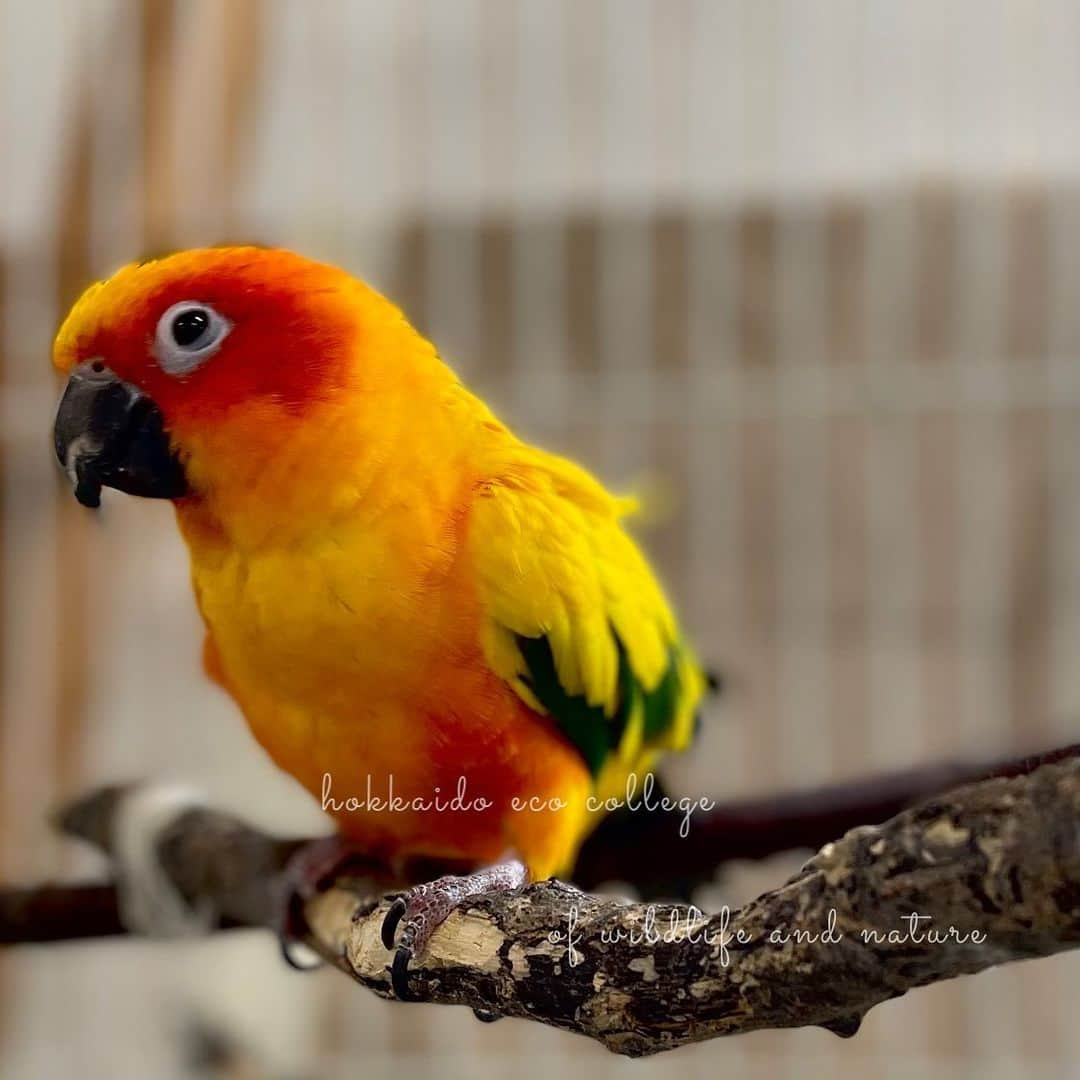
(993, 867)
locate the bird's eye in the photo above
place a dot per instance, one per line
(188, 334)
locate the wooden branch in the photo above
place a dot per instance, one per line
(995, 867)
(992, 869)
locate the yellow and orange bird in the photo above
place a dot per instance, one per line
(393, 584)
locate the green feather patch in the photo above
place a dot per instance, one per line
(595, 735)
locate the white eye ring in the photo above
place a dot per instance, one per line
(187, 335)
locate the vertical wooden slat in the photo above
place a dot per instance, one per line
(1027, 292)
(625, 407)
(452, 290)
(849, 572)
(848, 509)
(758, 493)
(496, 321)
(760, 486)
(242, 48)
(935, 269)
(1029, 583)
(800, 422)
(712, 611)
(670, 318)
(409, 288)
(1029, 518)
(757, 262)
(73, 217)
(894, 556)
(668, 544)
(845, 253)
(935, 298)
(583, 294)
(157, 20)
(939, 630)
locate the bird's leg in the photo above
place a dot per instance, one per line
(421, 910)
(310, 869)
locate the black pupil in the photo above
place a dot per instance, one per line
(189, 326)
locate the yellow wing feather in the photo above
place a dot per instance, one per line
(553, 561)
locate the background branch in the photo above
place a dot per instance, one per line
(45, 913)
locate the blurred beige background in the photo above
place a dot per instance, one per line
(810, 269)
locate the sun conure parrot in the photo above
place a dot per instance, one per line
(393, 584)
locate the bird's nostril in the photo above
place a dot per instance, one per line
(97, 367)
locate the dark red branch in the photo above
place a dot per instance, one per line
(58, 913)
(50, 913)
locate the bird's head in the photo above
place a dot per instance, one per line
(214, 373)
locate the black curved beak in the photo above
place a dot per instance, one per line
(108, 433)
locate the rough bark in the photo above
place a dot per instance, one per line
(998, 862)
(995, 867)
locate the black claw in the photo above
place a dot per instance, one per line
(390, 923)
(291, 960)
(486, 1016)
(399, 973)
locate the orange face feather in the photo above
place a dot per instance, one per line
(295, 326)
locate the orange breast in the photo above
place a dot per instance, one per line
(478, 777)
(358, 667)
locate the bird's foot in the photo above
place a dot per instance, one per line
(310, 869)
(421, 910)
